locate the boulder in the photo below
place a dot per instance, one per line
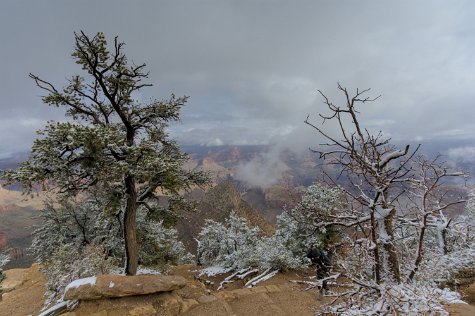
(110, 285)
(469, 294)
(13, 279)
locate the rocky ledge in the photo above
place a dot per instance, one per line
(109, 286)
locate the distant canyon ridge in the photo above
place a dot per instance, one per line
(257, 182)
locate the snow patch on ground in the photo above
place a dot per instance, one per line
(212, 271)
(79, 282)
(111, 284)
(449, 297)
(144, 270)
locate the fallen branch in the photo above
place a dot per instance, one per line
(318, 283)
(261, 277)
(238, 273)
(242, 276)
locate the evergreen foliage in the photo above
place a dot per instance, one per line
(320, 204)
(4, 259)
(78, 239)
(234, 245)
(112, 142)
(230, 244)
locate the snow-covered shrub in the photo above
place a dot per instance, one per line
(83, 238)
(470, 207)
(299, 229)
(274, 253)
(466, 224)
(449, 246)
(76, 224)
(4, 259)
(70, 263)
(304, 224)
(235, 245)
(231, 244)
(394, 299)
(86, 222)
(75, 240)
(159, 245)
(460, 251)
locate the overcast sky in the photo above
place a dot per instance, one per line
(252, 68)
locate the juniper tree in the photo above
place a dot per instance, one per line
(379, 181)
(111, 142)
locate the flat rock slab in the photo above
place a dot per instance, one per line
(13, 279)
(111, 285)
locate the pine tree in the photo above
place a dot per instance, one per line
(111, 142)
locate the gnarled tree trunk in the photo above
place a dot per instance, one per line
(130, 234)
(390, 248)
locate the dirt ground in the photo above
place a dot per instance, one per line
(28, 296)
(275, 297)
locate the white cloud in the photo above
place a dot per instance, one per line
(262, 171)
(215, 142)
(465, 154)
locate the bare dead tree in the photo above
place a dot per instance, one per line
(429, 201)
(373, 168)
(395, 215)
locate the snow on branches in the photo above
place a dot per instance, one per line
(4, 259)
(395, 220)
(112, 141)
(82, 238)
(235, 245)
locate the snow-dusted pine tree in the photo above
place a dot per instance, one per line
(307, 224)
(112, 142)
(80, 239)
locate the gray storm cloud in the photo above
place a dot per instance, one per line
(252, 68)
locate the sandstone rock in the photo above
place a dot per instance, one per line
(206, 299)
(187, 304)
(170, 304)
(104, 286)
(461, 309)
(13, 279)
(145, 310)
(469, 294)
